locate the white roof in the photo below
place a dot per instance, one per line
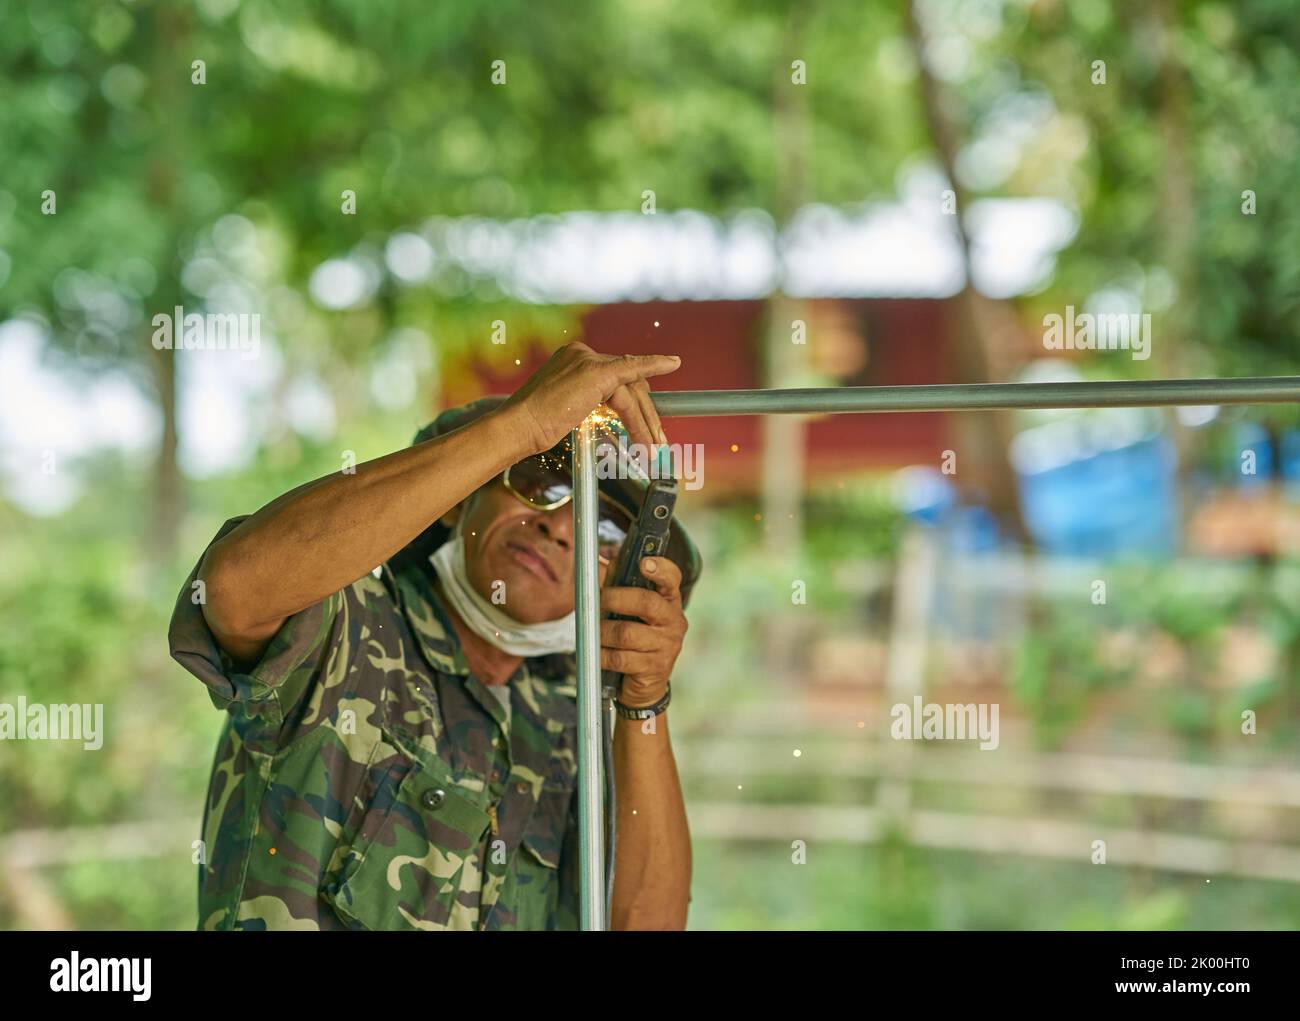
(877, 249)
(899, 248)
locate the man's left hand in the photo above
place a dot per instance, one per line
(644, 650)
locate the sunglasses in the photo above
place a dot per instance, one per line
(544, 482)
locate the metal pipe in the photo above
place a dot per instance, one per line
(586, 577)
(987, 396)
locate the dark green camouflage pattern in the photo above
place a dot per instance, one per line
(323, 808)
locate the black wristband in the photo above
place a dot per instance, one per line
(644, 712)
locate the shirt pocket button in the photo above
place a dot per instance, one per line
(433, 797)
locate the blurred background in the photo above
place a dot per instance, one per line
(421, 201)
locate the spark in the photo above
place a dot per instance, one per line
(603, 417)
(602, 413)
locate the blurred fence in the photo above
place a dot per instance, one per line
(814, 777)
(895, 770)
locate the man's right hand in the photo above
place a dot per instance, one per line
(574, 381)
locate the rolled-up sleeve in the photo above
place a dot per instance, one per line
(294, 658)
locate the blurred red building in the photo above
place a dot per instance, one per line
(851, 342)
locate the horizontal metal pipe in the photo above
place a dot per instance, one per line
(987, 396)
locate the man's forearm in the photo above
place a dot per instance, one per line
(652, 878)
(324, 535)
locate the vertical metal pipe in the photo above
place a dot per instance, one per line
(591, 842)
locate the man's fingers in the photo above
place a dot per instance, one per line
(651, 607)
(635, 664)
(630, 634)
(624, 402)
(624, 369)
(641, 390)
(666, 575)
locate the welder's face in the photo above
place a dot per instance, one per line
(520, 554)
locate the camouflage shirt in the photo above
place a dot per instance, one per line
(365, 779)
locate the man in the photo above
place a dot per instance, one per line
(399, 751)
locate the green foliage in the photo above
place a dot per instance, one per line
(746, 587)
(1108, 151)
(80, 620)
(1070, 658)
(1057, 672)
(847, 887)
(853, 519)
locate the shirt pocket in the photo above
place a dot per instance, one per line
(548, 826)
(550, 821)
(540, 869)
(414, 854)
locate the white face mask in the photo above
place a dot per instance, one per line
(489, 621)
